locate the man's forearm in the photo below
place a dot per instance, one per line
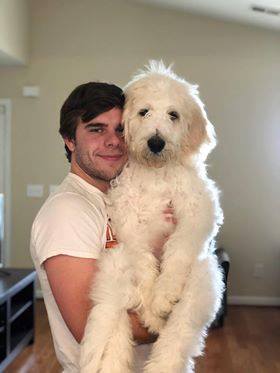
(140, 333)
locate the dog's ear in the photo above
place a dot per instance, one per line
(127, 113)
(199, 132)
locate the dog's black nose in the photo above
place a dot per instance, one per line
(156, 144)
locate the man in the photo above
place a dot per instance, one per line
(71, 228)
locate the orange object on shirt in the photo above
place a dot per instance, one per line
(111, 240)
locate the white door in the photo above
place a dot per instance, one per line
(2, 182)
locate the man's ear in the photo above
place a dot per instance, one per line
(70, 143)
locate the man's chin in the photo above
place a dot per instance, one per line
(107, 177)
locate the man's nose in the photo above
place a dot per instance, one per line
(113, 140)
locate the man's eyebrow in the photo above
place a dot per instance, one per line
(88, 125)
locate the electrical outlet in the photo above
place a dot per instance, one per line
(258, 270)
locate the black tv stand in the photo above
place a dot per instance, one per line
(17, 306)
(4, 272)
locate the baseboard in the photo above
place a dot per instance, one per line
(253, 301)
(234, 300)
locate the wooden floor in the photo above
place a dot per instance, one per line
(249, 342)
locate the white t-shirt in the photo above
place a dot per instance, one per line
(72, 221)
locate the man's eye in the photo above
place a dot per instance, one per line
(96, 129)
(120, 129)
(143, 112)
(173, 115)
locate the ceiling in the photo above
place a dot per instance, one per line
(232, 10)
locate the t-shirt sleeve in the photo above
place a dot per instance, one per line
(70, 225)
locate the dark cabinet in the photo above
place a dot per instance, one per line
(17, 311)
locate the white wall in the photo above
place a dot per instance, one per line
(237, 68)
(14, 32)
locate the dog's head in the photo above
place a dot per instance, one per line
(164, 119)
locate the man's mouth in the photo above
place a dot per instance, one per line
(111, 157)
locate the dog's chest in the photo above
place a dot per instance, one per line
(141, 196)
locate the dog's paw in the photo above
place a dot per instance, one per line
(162, 305)
(153, 322)
(166, 293)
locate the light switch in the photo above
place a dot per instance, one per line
(35, 190)
(31, 91)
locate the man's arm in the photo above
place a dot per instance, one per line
(70, 280)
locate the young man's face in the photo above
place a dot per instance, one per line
(99, 151)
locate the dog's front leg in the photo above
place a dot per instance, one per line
(183, 335)
(146, 273)
(195, 228)
(174, 272)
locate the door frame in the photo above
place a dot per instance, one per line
(6, 254)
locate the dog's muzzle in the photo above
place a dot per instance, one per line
(156, 144)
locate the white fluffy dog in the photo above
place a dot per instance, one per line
(168, 138)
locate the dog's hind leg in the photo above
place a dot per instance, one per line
(102, 322)
(182, 337)
(107, 339)
(107, 345)
(118, 356)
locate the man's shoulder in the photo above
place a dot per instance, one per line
(67, 204)
(72, 204)
(73, 193)
(74, 187)
(65, 200)
(67, 214)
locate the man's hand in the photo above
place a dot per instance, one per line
(140, 333)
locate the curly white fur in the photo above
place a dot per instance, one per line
(179, 295)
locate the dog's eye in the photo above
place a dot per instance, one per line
(173, 115)
(143, 112)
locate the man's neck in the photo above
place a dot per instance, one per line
(99, 184)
